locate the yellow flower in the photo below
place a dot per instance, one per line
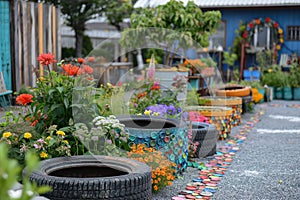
(6, 135)
(66, 141)
(278, 47)
(48, 138)
(281, 40)
(147, 112)
(280, 31)
(156, 114)
(27, 135)
(270, 70)
(43, 155)
(60, 133)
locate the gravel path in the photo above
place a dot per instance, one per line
(267, 165)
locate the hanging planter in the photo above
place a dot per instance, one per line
(274, 32)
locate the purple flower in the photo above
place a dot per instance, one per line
(36, 146)
(41, 141)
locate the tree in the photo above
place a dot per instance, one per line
(189, 23)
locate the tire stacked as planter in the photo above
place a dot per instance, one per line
(170, 136)
(234, 102)
(237, 91)
(220, 117)
(204, 137)
(94, 177)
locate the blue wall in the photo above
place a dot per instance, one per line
(285, 17)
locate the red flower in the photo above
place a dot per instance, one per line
(140, 95)
(276, 25)
(24, 99)
(71, 70)
(155, 87)
(46, 59)
(267, 20)
(87, 69)
(80, 60)
(245, 34)
(91, 59)
(34, 122)
(251, 25)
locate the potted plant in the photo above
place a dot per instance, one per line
(295, 81)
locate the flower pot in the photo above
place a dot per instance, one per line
(269, 94)
(287, 93)
(296, 93)
(170, 136)
(220, 117)
(233, 102)
(94, 177)
(233, 91)
(262, 92)
(278, 93)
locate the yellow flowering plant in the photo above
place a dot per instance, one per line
(162, 169)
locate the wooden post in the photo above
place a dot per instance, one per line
(242, 60)
(54, 46)
(41, 38)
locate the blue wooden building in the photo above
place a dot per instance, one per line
(270, 24)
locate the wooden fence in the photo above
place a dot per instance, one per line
(35, 29)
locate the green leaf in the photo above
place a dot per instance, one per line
(60, 89)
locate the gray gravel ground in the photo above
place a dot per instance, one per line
(267, 167)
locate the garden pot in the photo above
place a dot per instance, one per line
(170, 136)
(287, 93)
(296, 93)
(220, 117)
(234, 91)
(278, 93)
(204, 138)
(262, 92)
(94, 177)
(233, 102)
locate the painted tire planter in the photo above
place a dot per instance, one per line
(220, 117)
(94, 177)
(233, 91)
(169, 136)
(234, 102)
(204, 138)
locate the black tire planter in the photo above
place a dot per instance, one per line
(206, 135)
(94, 177)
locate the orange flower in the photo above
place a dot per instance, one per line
(155, 187)
(258, 21)
(140, 95)
(46, 59)
(71, 70)
(87, 69)
(80, 60)
(24, 99)
(155, 87)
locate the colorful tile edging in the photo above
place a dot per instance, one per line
(206, 184)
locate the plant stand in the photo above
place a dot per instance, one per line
(220, 117)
